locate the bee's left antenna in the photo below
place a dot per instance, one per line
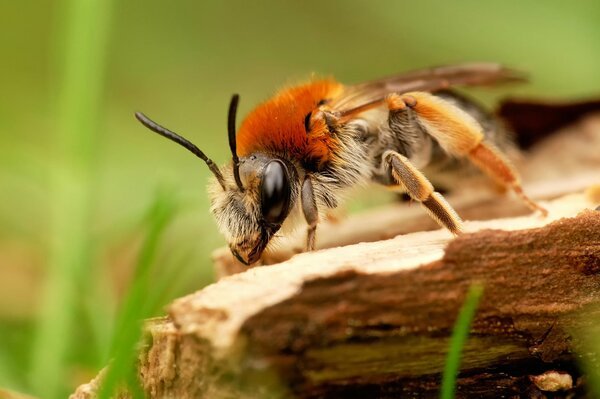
(232, 142)
(163, 131)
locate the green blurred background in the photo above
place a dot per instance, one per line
(180, 62)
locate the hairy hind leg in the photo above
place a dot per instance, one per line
(459, 134)
(420, 189)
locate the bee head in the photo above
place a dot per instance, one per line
(250, 218)
(250, 198)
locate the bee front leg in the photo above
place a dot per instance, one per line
(311, 214)
(459, 134)
(420, 189)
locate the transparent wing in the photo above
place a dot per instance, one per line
(360, 96)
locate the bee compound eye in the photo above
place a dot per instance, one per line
(275, 192)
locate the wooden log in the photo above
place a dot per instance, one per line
(373, 320)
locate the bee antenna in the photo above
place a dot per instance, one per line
(232, 143)
(163, 131)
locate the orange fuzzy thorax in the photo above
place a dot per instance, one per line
(278, 125)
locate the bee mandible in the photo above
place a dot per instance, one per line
(296, 154)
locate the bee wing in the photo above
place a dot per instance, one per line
(432, 79)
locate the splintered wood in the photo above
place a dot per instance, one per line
(373, 320)
(378, 315)
(244, 294)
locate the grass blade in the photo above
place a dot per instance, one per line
(458, 339)
(136, 306)
(80, 55)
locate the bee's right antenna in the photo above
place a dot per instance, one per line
(232, 143)
(163, 131)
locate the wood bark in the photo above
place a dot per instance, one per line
(373, 320)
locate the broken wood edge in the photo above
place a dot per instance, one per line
(211, 331)
(358, 330)
(217, 312)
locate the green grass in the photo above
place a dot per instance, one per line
(80, 51)
(139, 304)
(458, 339)
(15, 336)
(588, 348)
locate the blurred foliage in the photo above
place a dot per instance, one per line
(180, 62)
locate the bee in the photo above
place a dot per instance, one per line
(296, 154)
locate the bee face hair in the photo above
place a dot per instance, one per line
(241, 216)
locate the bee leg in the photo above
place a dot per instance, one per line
(311, 214)
(420, 189)
(459, 134)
